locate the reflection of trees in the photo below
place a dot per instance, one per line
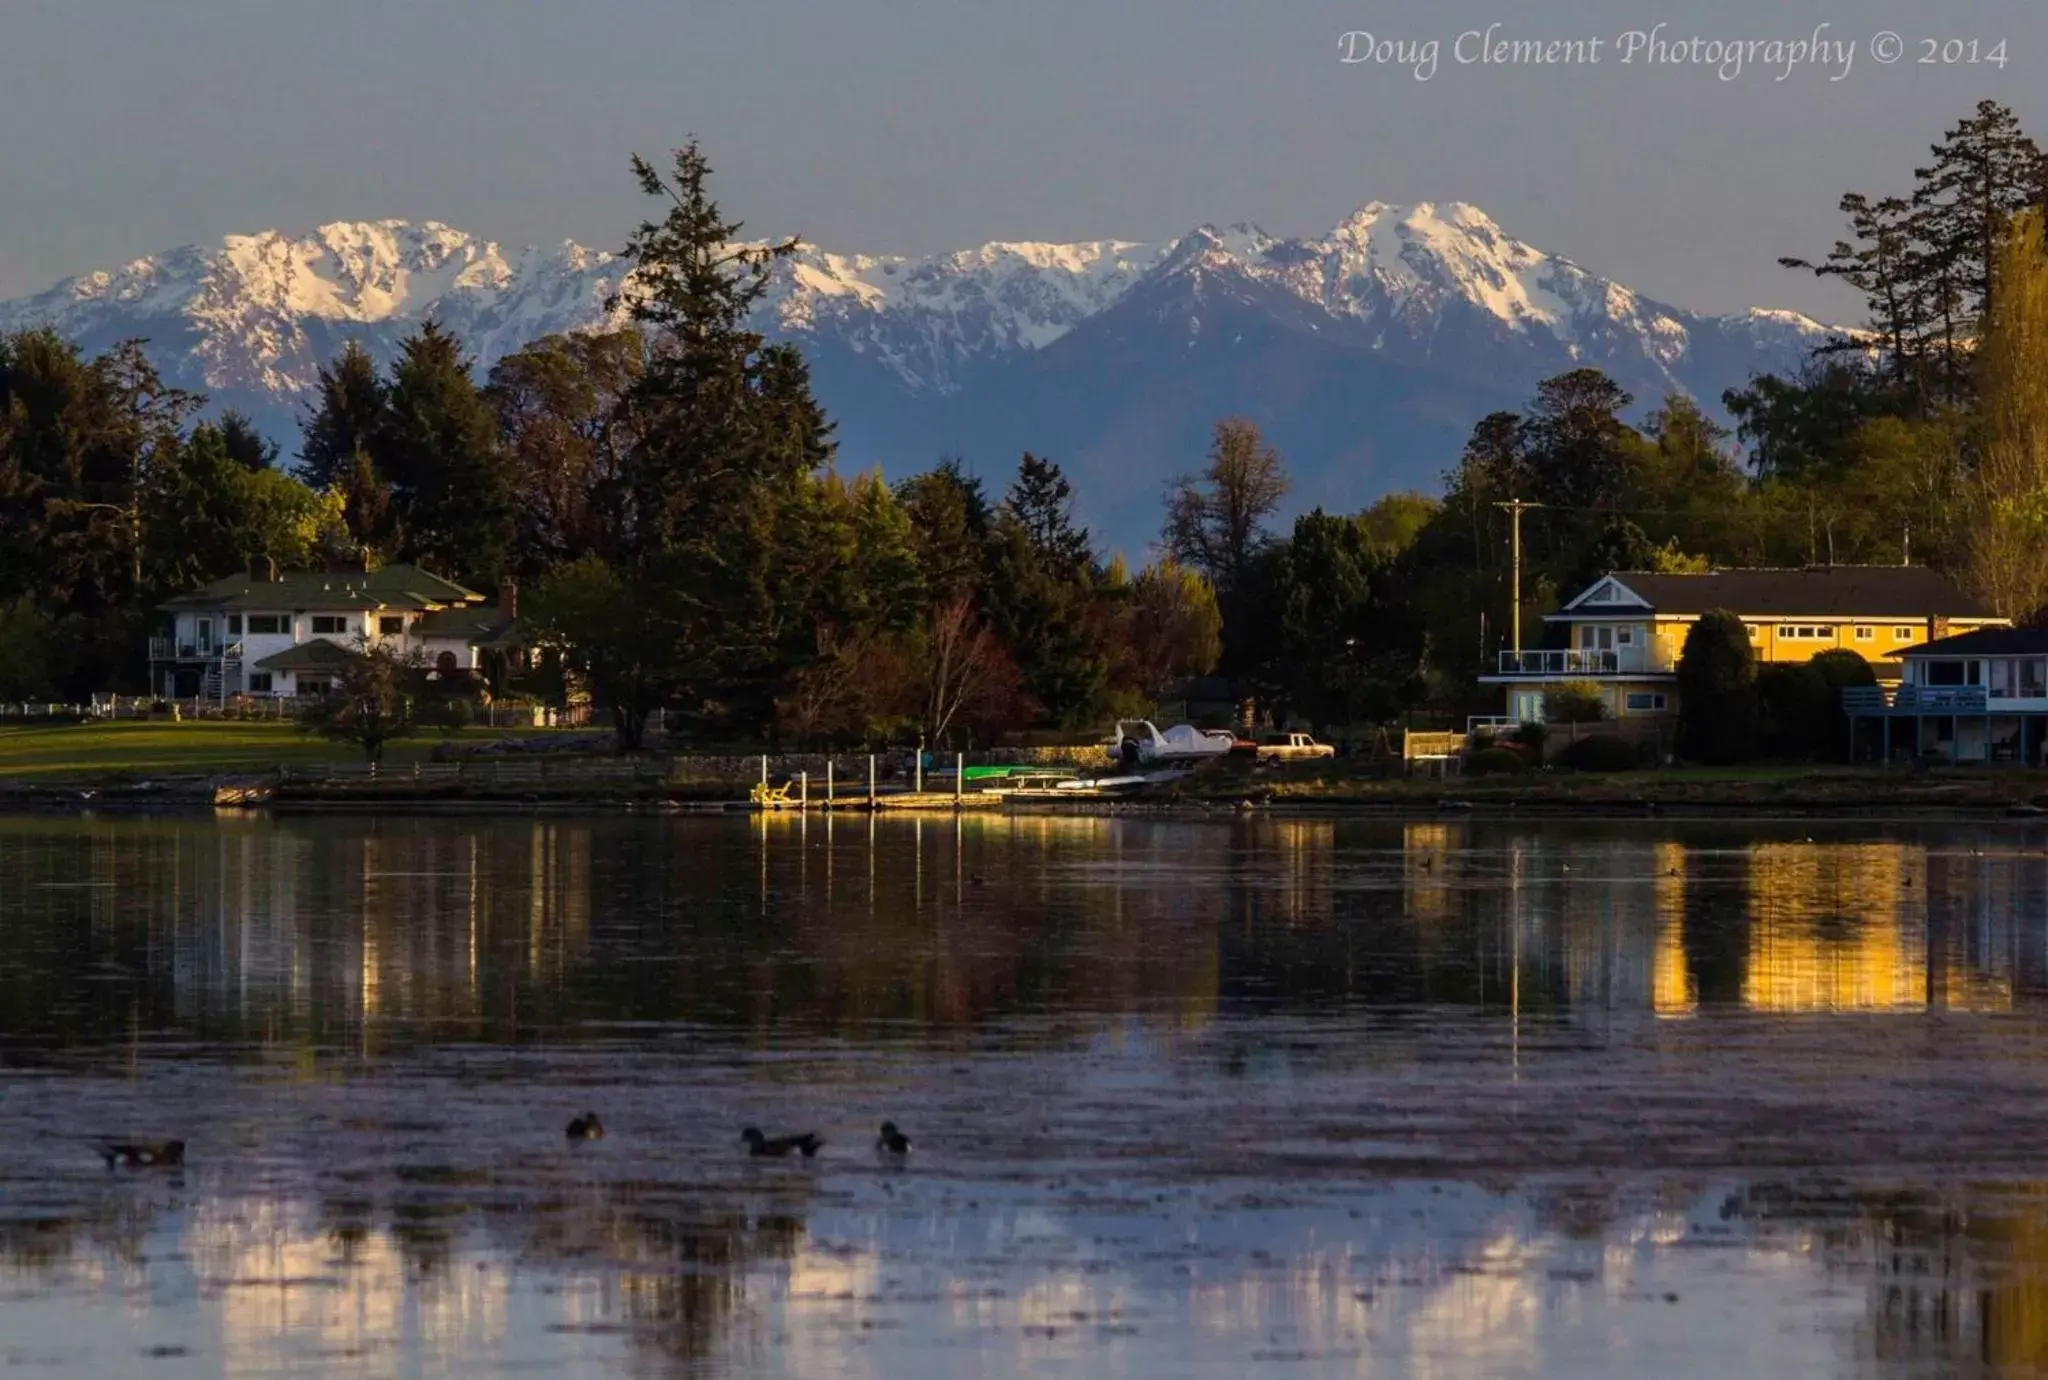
(679, 1265)
(1958, 1283)
(356, 933)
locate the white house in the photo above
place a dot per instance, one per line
(1981, 696)
(269, 634)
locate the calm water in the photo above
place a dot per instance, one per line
(1248, 1097)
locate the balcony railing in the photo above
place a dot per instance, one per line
(1578, 661)
(1916, 699)
(171, 649)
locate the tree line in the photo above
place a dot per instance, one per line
(666, 493)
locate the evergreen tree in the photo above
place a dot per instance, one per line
(716, 409)
(348, 414)
(1985, 170)
(1717, 703)
(1041, 504)
(950, 519)
(452, 491)
(246, 446)
(1349, 652)
(1042, 613)
(1883, 262)
(78, 442)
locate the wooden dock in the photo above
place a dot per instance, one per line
(778, 799)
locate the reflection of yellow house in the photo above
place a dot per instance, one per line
(1826, 929)
(1672, 989)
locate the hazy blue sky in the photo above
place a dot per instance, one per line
(916, 125)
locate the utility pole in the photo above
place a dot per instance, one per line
(1514, 508)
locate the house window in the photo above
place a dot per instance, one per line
(259, 682)
(1645, 702)
(1865, 634)
(259, 623)
(2033, 679)
(391, 624)
(1602, 595)
(1624, 637)
(329, 623)
(1904, 634)
(1756, 632)
(234, 625)
(1805, 632)
(315, 685)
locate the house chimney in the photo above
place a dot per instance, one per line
(508, 599)
(263, 570)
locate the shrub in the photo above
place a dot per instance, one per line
(451, 712)
(1717, 703)
(1603, 752)
(1533, 735)
(1574, 702)
(1798, 708)
(1841, 668)
(1497, 761)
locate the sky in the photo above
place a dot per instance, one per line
(923, 125)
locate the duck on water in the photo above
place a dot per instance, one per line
(779, 1147)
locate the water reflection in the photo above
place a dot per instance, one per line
(352, 932)
(1295, 1096)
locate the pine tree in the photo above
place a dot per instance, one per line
(348, 412)
(723, 432)
(716, 408)
(1041, 503)
(951, 519)
(246, 446)
(1883, 262)
(452, 490)
(1985, 170)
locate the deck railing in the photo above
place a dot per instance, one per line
(170, 649)
(1916, 699)
(1577, 661)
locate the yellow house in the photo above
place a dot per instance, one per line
(1624, 633)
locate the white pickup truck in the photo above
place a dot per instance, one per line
(1292, 747)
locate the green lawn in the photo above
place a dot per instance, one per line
(143, 748)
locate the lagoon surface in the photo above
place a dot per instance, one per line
(1250, 1096)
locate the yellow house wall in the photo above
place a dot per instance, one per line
(1889, 637)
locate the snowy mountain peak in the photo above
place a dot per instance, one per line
(257, 313)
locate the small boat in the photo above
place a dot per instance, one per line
(1139, 742)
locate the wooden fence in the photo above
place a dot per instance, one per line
(268, 708)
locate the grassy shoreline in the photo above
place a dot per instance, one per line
(145, 765)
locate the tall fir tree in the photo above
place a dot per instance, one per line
(348, 411)
(724, 431)
(1041, 503)
(453, 493)
(246, 446)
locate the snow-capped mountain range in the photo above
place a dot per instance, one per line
(1367, 352)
